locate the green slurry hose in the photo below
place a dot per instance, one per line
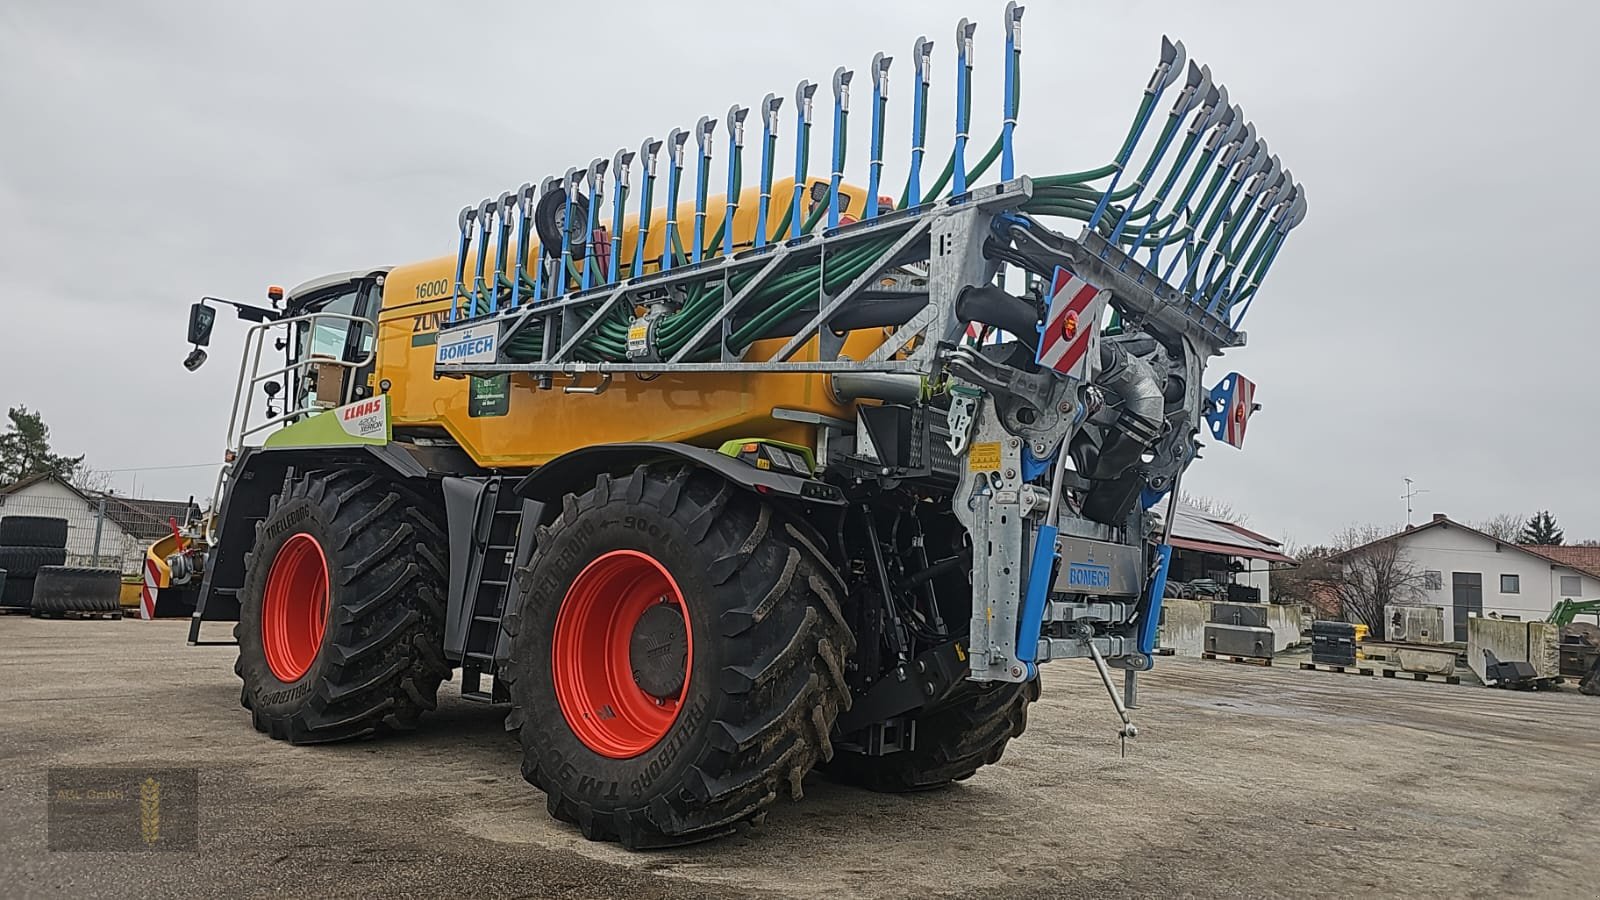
(1069, 195)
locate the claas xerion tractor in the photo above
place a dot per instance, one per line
(709, 491)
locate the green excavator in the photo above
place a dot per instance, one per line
(1580, 645)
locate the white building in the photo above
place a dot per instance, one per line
(1470, 573)
(129, 525)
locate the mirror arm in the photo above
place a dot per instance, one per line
(246, 311)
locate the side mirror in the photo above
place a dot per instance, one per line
(201, 320)
(271, 389)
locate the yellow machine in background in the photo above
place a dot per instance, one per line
(169, 585)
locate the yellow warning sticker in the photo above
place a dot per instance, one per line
(763, 463)
(638, 331)
(984, 457)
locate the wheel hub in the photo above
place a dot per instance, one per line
(658, 650)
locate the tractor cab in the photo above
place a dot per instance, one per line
(328, 350)
(325, 333)
(319, 357)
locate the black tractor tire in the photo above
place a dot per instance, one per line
(952, 743)
(69, 589)
(380, 658)
(761, 689)
(25, 562)
(33, 531)
(16, 593)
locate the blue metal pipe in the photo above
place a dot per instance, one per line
(841, 116)
(964, 32)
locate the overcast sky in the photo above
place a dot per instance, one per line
(1433, 318)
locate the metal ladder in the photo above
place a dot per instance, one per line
(499, 547)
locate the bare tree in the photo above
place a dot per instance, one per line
(1216, 509)
(1502, 526)
(91, 481)
(1305, 581)
(1370, 573)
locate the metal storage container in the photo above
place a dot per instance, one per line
(1239, 640)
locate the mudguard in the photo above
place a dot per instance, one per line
(258, 473)
(576, 470)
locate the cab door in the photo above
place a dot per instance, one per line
(328, 346)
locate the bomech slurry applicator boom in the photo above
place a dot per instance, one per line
(711, 491)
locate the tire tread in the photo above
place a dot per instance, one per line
(385, 658)
(779, 620)
(952, 742)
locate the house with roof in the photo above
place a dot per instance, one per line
(1470, 573)
(125, 526)
(1208, 547)
(1205, 546)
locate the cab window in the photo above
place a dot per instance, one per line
(327, 337)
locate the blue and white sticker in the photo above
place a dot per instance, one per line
(475, 343)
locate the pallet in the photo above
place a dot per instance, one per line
(1165, 651)
(75, 614)
(1347, 670)
(13, 610)
(1422, 676)
(1264, 662)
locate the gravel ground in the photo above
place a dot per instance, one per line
(1243, 782)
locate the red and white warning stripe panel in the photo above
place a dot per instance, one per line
(147, 595)
(1070, 343)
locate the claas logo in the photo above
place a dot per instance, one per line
(364, 408)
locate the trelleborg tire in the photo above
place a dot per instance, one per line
(341, 615)
(677, 658)
(952, 742)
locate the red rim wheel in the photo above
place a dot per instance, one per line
(621, 654)
(294, 609)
